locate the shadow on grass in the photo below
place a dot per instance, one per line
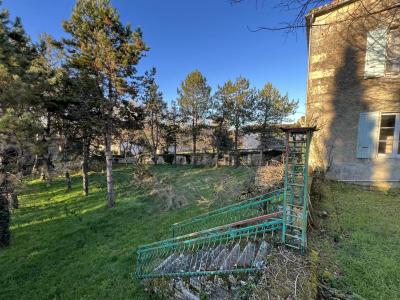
(65, 245)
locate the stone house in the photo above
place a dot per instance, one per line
(353, 94)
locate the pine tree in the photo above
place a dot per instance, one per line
(237, 100)
(16, 121)
(194, 102)
(16, 55)
(82, 116)
(221, 139)
(155, 111)
(172, 129)
(108, 51)
(272, 108)
(48, 78)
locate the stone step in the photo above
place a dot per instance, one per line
(261, 260)
(220, 258)
(206, 260)
(195, 283)
(184, 292)
(165, 263)
(217, 250)
(247, 256)
(197, 260)
(180, 264)
(231, 259)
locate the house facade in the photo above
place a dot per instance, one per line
(353, 94)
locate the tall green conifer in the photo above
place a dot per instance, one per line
(237, 100)
(108, 52)
(194, 102)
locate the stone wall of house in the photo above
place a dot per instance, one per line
(338, 93)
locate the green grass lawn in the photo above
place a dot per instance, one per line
(67, 246)
(359, 244)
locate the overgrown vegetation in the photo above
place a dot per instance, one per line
(65, 245)
(82, 94)
(357, 236)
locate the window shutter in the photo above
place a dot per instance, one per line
(368, 134)
(375, 58)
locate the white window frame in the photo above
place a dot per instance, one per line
(396, 137)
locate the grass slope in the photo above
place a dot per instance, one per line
(66, 246)
(359, 244)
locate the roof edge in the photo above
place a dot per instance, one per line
(335, 4)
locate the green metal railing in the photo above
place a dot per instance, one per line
(260, 205)
(254, 210)
(294, 229)
(207, 254)
(232, 239)
(237, 222)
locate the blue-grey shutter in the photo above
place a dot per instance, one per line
(375, 57)
(368, 130)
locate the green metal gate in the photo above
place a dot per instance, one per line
(294, 229)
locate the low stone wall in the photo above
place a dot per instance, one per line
(249, 158)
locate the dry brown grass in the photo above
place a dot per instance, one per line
(271, 175)
(159, 190)
(287, 276)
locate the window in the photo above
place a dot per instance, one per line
(393, 51)
(378, 135)
(382, 52)
(389, 135)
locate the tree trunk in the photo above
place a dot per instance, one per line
(68, 181)
(63, 146)
(175, 146)
(194, 158)
(125, 156)
(4, 219)
(13, 200)
(237, 157)
(153, 141)
(154, 156)
(85, 167)
(45, 171)
(43, 164)
(64, 151)
(194, 138)
(217, 161)
(48, 165)
(110, 187)
(108, 153)
(261, 157)
(35, 170)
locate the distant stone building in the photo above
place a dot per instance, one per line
(354, 89)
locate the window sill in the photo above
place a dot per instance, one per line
(386, 76)
(388, 156)
(392, 75)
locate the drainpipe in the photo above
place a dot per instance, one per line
(308, 63)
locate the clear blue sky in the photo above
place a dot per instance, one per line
(209, 35)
